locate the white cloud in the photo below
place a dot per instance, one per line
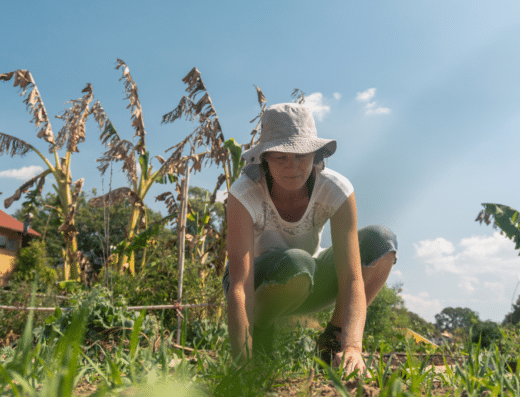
(466, 283)
(221, 196)
(23, 173)
(366, 96)
(438, 246)
(371, 108)
(336, 96)
(315, 103)
(421, 305)
(497, 290)
(397, 273)
(477, 260)
(379, 110)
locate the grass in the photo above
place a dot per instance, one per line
(58, 366)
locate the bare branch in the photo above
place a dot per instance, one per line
(24, 80)
(13, 146)
(122, 150)
(74, 118)
(114, 197)
(135, 105)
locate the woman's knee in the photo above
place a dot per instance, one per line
(302, 260)
(376, 242)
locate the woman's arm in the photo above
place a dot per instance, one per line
(240, 245)
(350, 309)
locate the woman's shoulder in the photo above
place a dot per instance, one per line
(245, 186)
(331, 179)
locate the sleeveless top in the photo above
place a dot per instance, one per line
(271, 232)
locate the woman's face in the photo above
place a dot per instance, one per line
(289, 170)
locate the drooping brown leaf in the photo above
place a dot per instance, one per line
(68, 226)
(77, 190)
(261, 97)
(220, 181)
(13, 146)
(24, 188)
(114, 197)
(74, 118)
(33, 102)
(121, 150)
(169, 200)
(257, 128)
(135, 105)
(195, 83)
(185, 107)
(41, 183)
(109, 134)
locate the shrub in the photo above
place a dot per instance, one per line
(487, 331)
(12, 322)
(31, 264)
(106, 318)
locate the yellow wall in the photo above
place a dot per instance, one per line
(7, 256)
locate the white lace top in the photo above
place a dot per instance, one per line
(271, 232)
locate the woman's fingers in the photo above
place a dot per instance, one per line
(351, 361)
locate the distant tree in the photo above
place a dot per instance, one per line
(31, 263)
(420, 325)
(90, 227)
(384, 312)
(450, 319)
(486, 332)
(514, 316)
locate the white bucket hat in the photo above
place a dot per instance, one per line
(289, 128)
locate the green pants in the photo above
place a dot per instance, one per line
(280, 266)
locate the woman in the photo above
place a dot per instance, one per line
(276, 212)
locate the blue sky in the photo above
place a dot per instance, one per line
(422, 97)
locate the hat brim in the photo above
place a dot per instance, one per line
(288, 145)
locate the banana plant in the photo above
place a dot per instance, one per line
(133, 156)
(504, 218)
(70, 135)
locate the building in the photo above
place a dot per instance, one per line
(11, 240)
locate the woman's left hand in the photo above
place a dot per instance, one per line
(351, 359)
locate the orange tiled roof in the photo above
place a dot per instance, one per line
(8, 222)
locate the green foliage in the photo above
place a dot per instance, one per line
(451, 319)
(19, 294)
(503, 217)
(90, 223)
(105, 317)
(31, 264)
(384, 316)
(488, 332)
(206, 334)
(202, 208)
(514, 316)
(236, 153)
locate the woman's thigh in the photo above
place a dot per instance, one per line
(279, 267)
(374, 243)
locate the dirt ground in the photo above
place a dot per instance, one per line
(315, 384)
